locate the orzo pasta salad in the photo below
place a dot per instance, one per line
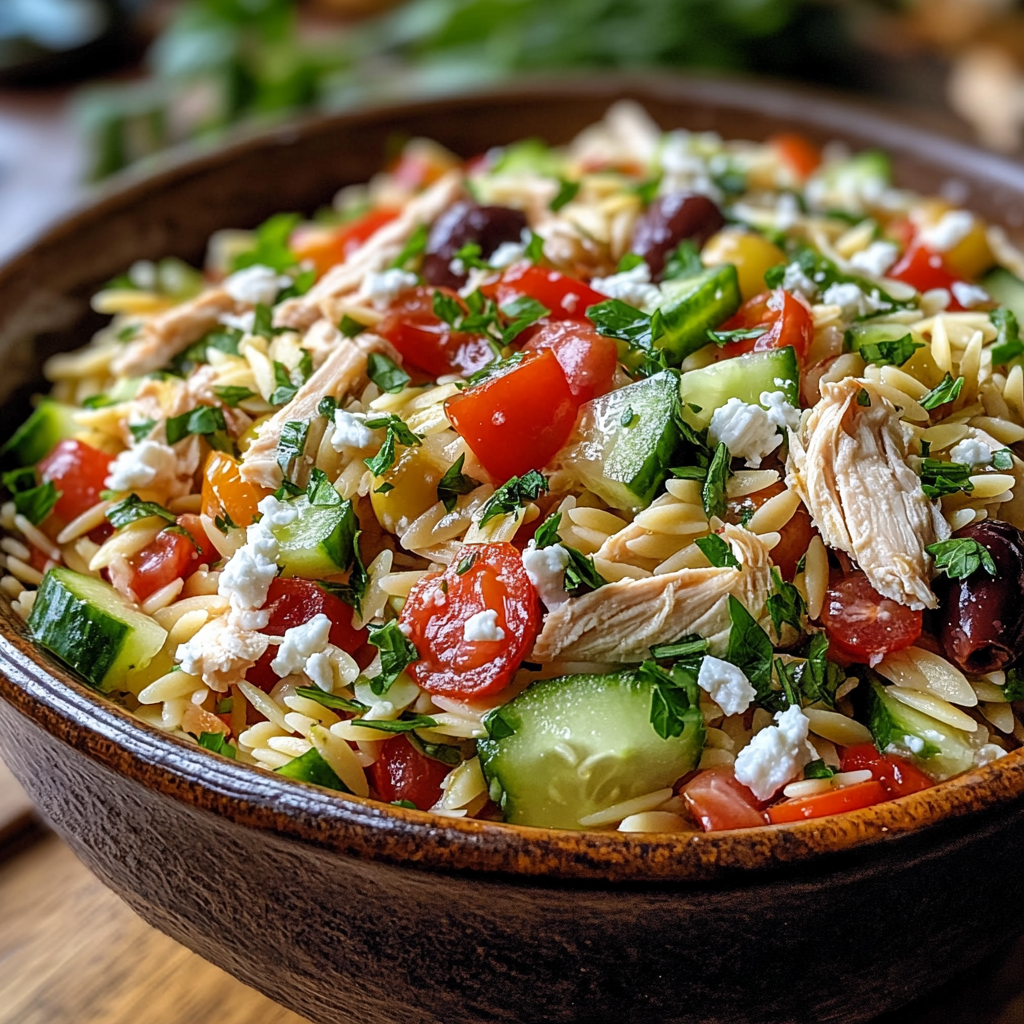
(658, 482)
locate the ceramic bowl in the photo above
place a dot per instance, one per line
(349, 911)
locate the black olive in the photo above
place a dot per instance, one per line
(982, 616)
(460, 224)
(670, 220)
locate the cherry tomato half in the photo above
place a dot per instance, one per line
(519, 420)
(897, 774)
(796, 534)
(79, 472)
(435, 615)
(564, 296)
(787, 319)
(834, 801)
(864, 626)
(426, 341)
(924, 269)
(797, 152)
(327, 246)
(401, 772)
(168, 557)
(718, 801)
(587, 358)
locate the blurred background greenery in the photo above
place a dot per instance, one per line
(158, 72)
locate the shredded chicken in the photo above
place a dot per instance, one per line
(343, 372)
(167, 334)
(849, 465)
(620, 621)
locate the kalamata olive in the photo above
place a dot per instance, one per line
(983, 616)
(670, 220)
(465, 222)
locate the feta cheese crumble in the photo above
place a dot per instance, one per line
(971, 452)
(779, 411)
(796, 281)
(853, 300)
(221, 653)
(148, 464)
(350, 431)
(383, 287)
(483, 627)
(746, 430)
(631, 286)
(969, 295)
(546, 569)
(876, 259)
(299, 644)
(256, 285)
(726, 684)
(951, 228)
(510, 252)
(776, 754)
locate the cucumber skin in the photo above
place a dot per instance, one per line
(695, 306)
(49, 423)
(319, 541)
(312, 768)
(615, 708)
(1007, 289)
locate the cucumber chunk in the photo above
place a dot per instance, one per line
(318, 542)
(863, 334)
(626, 439)
(745, 377)
(311, 767)
(573, 746)
(693, 305)
(941, 750)
(1007, 289)
(49, 423)
(93, 629)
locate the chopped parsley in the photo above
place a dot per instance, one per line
(939, 478)
(292, 442)
(785, 604)
(567, 191)
(1008, 344)
(713, 492)
(350, 327)
(717, 551)
(413, 248)
(33, 501)
(948, 390)
(204, 420)
(398, 432)
(581, 575)
(535, 248)
(329, 700)
(217, 742)
(288, 382)
(453, 483)
(513, 495)
(231, 395)
(352, 592)
(404, 724)
(141, 430)
(616, 319)
(270, 248)
(674, 699)
(397, 653)
(817, 770)
(499, 724)
(1013, 689)
(1002, 459)
(863, 398)
(889, 353)
(386, 373)
(133, 508)
(684, 262)
(520, 313)
(547, 532)
(750, 649)
(960, 557)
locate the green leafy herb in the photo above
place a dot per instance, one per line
(301, 284)
(535, 248)
(939, 478)
(713, 492)
(292, 442)
(567, 191)
(97, 402)
(889, 353)
(398, 432)
(514, 494)
(466, 562)
(947, 390)
(128, 332)
(271, 245)
(217, 742)
(386, 373)
(497, 368)
(674, 699)
(34, 502)
(520, 312)
(1002, 459)
(204, 420)
(629, 262)
(231, 395)
(647, 190)
(1013, 689)
(327, 407)
(453, 483)
(290, 382)
(141, 430)
(397, 653)
(352, 592)
(407, 804)
(446, 753)
(785, 604)
(817, 770)
(224, 339)
(447, 308)
(741, 334)
(863, 398)
(960, 557)
(224, 523)
(685, 647)
(581, 576)
(1008, 344)
(616, 319)
(404, 724)
(717, 551)
(320, 490)
(499, 724)
(816, 677)
(684, 262)
(547, 532)
(133, 508)
(329, 700)
(350, 327)
(412, 249)
(750, 649)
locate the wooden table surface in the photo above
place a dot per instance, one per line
(70, 951)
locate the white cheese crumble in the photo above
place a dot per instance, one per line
(256, 286)
(631, 286)
(726, 684)
(969, 295)
(148, 464)
(299, 644)
(483, 627)
(971, 452)
(383, 287)
(546, 569)
(776, 754)
(876, 259)
(794, 280)
(350, 431)
(853, 300)
(951, 228)
(244, 322)
(509, 252)
(746, 430)
(221, 653)
(779, 411)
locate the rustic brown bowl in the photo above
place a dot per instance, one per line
(347, 910)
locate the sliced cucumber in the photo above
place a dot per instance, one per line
(625, 441)
(93, 629)
(1007, 289)
(49, 423)
(942, 750)
(311, 767)
(576, 745)
(318, 542)
(744, 377)
(693, 305)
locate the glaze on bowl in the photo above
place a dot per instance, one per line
(346, 910)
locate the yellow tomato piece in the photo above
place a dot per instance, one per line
(750, 253)
(226, 493)
(413, 478)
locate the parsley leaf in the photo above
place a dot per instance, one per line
(320, 490)
(521, 312)
(514, 494)
(1014, 687)
(329, 700)
(674, 699)
(717, 551)
(947, 390)
(567, 191)
(547, 532)
(863, 398)
(397, 653)
(141, 430)
(34, 502)
(713, 492)
(535, 248)
(453, 483)
(203, 420)
(469, 256)
(292, 442)
(499, 724)
(1002, 459)
(288, 383)
(630, 261)
(352, 592)
(386, 373)
(818, 677)
(750, 649)
(785, 605)
(580, 574)
(231, 395)
(133, 508)
(404, 724)
(817, 770)
(684, 262)
(939, 478)
(398, 432)
(889, 353)
(960, 557)
(217, 743)
(1008, 344)
(271, 245)
(412, 249)
(616, 319)
(496, 368)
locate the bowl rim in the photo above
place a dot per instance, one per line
(39, 688)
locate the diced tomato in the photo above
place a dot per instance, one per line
(587, 358)
(292, 602)
(897, 774)
(79, 472)
(796, 534)
(797, 152)
(834, 801)
(225, 493)
(864, 626)
(327, 246)
(519, 420)
(168, 557)
(565, 297)
(718, 801)
(401, 772)
(435, 615)
(787, 319)
(426, 341)
(924, 269)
